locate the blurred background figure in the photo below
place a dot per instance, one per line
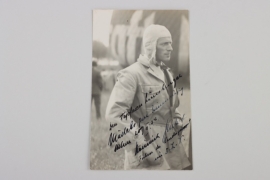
(97, 87)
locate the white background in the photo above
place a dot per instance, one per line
(45, 79)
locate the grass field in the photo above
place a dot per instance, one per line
(101, 156)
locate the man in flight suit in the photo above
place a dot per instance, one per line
(143, 105)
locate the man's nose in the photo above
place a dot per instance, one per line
(169, 48)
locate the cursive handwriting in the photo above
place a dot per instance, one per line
(121, 145)
(158, 146)
(142, 119)
(164, 86)
(139, 130)
(168, 149)
(165, 139)
(162, 103)
(158, 157)
(129, 112)
(151, 97)
(114, 136)
(158, 106)
(151, 122)
(139, 148)
(112, 125)
(176, 78)
(146, 155)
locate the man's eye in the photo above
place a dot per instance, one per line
(167, 43)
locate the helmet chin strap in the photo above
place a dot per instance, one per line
(152, 56)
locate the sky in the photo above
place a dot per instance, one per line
(101, 25)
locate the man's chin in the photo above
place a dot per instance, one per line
(166, 59)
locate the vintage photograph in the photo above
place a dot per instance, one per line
(140, 98)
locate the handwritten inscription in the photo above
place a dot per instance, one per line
(158, 106)
(140, 148)
(146, 155)
(176, 78)
(155, 108)
(158, 157)
(142, 119)
(129, 112)
(165, 139)
(140, 145)
(164, 86)
(152, 122)
(112, 125)
(115, 136)
(147, 98)
(168, 149)
(121, 145)
(139, 130)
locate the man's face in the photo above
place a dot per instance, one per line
(164, 49)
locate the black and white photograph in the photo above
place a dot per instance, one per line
(93, 90)
(140, 105)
